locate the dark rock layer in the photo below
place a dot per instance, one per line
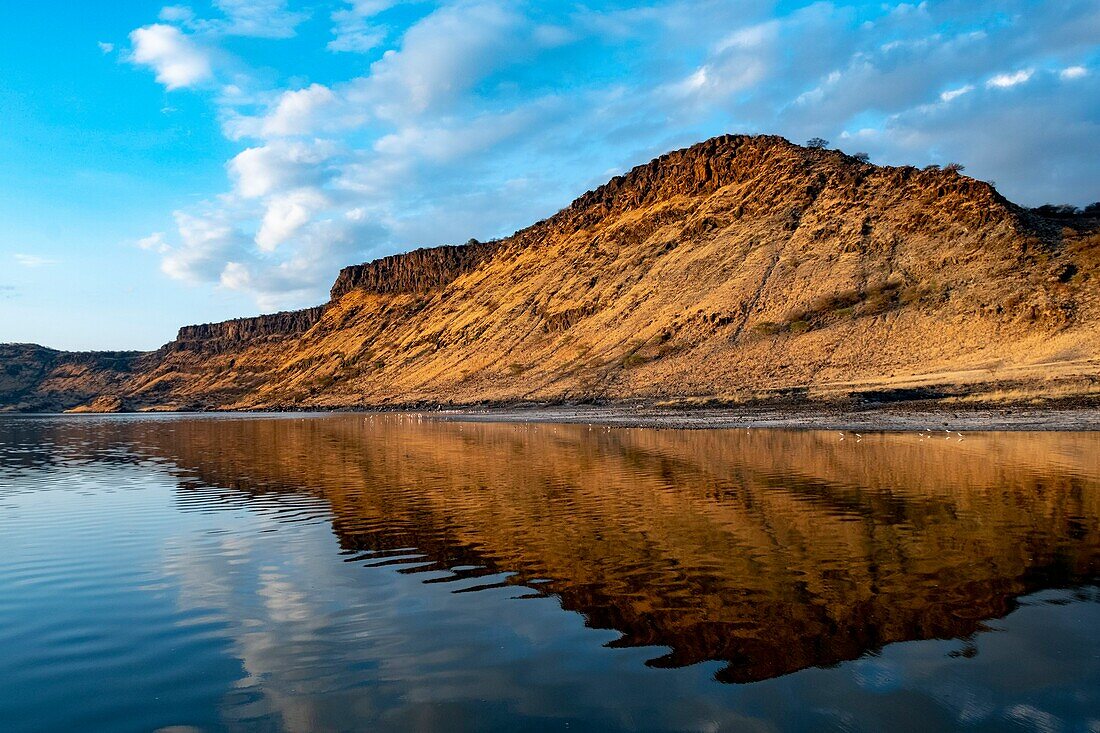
(413, 272)
(227, 334)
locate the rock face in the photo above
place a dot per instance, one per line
(738, 268)
(227, 335)
(413, 272)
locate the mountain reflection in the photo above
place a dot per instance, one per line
(771, 551)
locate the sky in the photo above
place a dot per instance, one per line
(173, 164)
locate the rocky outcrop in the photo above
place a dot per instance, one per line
(413, 272)
(772, 168)
(233, 333)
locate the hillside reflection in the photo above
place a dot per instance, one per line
(771, 551)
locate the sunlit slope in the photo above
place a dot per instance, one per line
(735, 267)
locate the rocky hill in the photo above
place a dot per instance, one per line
(36, 379)
(737, 269)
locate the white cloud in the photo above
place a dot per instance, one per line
(235, 276)
(298, 112)
(441, 58)
(356, 37)
(303, 112)
(176, 14)
(105, 47)
(155, 242)
(255, 18)
(736, 69)
(951, 94)
(1005, 81)
(751, 37)
(208, 241)
(252, 18)
(353, 29)
(369, 8)
(448, 140)
(295, 277)
(286, 215)
(176, 59)
(27, 260)
(280, 165)
(214, 249)
(1073, 72)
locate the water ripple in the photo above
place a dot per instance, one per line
(359, 571)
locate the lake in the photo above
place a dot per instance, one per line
(395, 572)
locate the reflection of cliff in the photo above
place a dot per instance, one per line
(773, 551)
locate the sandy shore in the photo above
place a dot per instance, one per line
(1079, 417)
(812, 417)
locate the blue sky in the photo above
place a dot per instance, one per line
(171, 164)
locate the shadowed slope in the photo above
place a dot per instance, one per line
(37, 379)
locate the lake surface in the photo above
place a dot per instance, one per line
(357, 572)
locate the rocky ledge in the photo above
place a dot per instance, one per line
(413, 272)
(247, 330)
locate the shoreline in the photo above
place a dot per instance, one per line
(793, 416)
(867, 417)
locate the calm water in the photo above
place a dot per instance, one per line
(386, 573)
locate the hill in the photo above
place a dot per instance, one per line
(36, 379)
(737, 269)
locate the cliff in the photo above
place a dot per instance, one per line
(231, 334)
(737, 269)
(417, 271)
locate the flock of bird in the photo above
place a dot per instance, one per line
(923, 435)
